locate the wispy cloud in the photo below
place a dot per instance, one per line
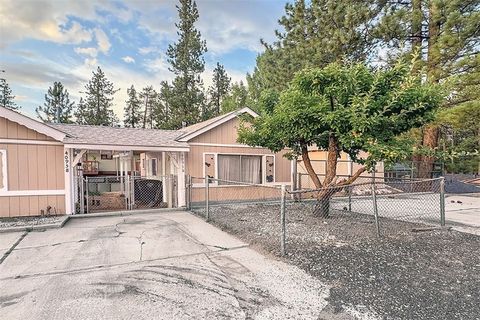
(128, 59)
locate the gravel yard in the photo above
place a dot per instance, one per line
(29, 221)
(431, 274)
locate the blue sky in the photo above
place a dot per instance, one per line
(46, 41)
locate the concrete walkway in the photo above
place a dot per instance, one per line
(168, 265)
(462, 211)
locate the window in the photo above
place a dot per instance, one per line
(3, 169)
(241, 168)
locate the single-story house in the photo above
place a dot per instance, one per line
(68, 169)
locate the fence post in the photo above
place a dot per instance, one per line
(349, 199)
(207, 196)
(282, 221)
(375, 209)
(442, 202)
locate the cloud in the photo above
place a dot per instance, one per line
(91, 52)
(147, 50)
(102, 41)
(43, 20)
(128, 59)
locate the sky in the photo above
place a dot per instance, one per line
(58, 40)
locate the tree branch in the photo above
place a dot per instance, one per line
(352, 178)
(308, 166)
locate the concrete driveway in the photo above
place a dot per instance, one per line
(166, 265)
(462, 211)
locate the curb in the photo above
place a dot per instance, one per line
(40, 227)
(123, 213)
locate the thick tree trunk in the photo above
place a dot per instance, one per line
(332, 154)
(308, 166)
(431, 132)
(430, 140)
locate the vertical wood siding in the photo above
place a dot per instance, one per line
(31, 167)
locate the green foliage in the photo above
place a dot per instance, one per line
(314, 35)
(363, 109)
(218, 91)
(237, 99)
(96, 108)
(185, 97)
(132, 110)
(149, 99)
(6, 96)
(57, 106)
(462, 141)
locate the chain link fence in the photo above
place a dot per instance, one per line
(276, 216)
(114, 193)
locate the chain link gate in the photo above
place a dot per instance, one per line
(119, 193)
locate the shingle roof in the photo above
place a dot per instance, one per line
(103, 135)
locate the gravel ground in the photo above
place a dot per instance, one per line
(28, 221)
(402, 275)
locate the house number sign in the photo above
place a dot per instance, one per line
(67, 162)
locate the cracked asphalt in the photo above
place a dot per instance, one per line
(168, 265)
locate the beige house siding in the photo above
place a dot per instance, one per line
(223, 140)
(13, 130)
(344, 167)
(30, 167)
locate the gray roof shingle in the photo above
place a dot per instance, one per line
(103, 135)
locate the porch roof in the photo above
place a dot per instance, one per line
(116, 138)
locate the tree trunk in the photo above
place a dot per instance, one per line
(332, 154)
(430, 140)
(431, 132)
(308, 165)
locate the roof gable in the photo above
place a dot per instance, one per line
(197, 129)
(40, 127)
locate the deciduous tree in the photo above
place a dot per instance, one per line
(349, 108)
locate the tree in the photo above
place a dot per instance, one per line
(57, 107)
(463, 139)
(96, 108)
(446, 34)
(238, 98)
(218, 91)
(185, 96)
(132, 115)
(349, 109)
(315, 35)
(6, 97)
(148, 98)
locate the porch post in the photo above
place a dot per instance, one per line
(181, 180)
(68, 181)
(164, 176)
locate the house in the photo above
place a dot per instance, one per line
(346, 167)
(68, 169)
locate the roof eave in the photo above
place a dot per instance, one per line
(188, 136)
(32, 124)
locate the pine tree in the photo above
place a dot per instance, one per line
(314, 35)
(132, 116)
(185, 96)
(148, 98)
(98, 103)
(6, 97)
(218, 91)
(446, 35)
(57, 107)
(237, 99)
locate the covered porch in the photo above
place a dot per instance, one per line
(112, 169)
(106, 179)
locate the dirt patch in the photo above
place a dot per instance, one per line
(401, 275)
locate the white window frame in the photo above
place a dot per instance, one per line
(263, 163)
(4, 170)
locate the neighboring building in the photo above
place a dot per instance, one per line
(67, 169)
(345, 168)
